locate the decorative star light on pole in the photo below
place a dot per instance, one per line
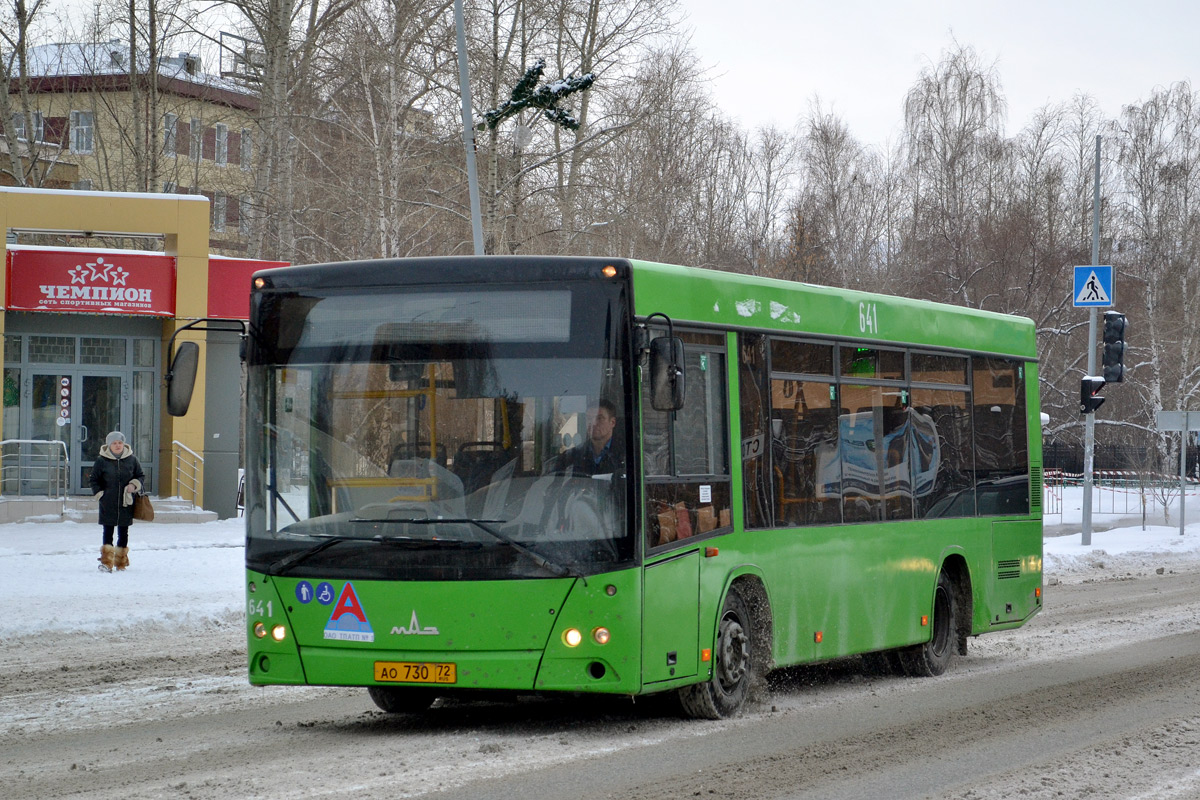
(528, 95)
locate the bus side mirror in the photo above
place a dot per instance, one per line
(666, 373)
(181, 378)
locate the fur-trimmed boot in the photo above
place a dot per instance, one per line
(122, 560)
(108, 555)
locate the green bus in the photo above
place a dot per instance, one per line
(536, 475)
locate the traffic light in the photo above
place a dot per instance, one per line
(1089, 389)
(1114, 347)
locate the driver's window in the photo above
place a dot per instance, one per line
(685, 454)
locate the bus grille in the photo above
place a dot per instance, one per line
(1035, 485)
(1008, 569)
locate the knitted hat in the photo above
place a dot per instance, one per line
(115, 436)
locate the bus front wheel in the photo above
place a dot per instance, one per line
(724, 694)
(401, 701)
(933, 657)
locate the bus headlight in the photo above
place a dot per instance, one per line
(260, 630)
(601, 635)
(278, 632)
(572, 637)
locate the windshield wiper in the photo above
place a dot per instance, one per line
(288, 562)
(418, 544)
(486, 526)
(558, 569)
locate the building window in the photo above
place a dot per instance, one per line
(170, 187)
(18, 126)
(82, 185)
(197, 137)
(219, 205)
(244, 215)
(247, 149)
(222, 144)
(102, 350)
(82, 123)
(143, 352)
(170, 122)
(52, 349)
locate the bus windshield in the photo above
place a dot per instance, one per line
(444, 433)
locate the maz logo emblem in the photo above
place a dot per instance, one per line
(414, 628)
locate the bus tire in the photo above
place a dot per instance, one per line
(933, 657)
(395, 700)
(733, 670)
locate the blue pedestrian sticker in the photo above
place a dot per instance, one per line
(304, 592)
(325, 594)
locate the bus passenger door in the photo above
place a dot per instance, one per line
(671, 618)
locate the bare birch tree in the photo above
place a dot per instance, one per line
(953, 119)
(1159, 253)
(16, 26)
(292, 35)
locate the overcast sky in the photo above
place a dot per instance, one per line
(769, 58)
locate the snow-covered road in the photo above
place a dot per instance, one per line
(133, 686)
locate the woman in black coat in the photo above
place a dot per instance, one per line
(116, 479)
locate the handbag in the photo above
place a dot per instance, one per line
(142, 509)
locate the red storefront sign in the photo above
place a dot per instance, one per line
(229, 285)
(91, 281)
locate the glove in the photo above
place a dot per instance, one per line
(128, 499)
(99, 494)
(134, 486)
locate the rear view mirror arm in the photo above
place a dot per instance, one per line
(179, 396)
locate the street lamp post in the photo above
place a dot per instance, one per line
(468, 121)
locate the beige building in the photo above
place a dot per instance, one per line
(171, 129)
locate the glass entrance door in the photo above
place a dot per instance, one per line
(50, 421)
(99, 408)
(78, 409)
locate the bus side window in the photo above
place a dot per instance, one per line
(686, 453)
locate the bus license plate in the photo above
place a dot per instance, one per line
(415, 672)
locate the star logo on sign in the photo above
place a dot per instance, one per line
(78, 275)
(119, 276)
(100, 271)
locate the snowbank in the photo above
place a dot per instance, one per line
(180, 575)
(190, 576)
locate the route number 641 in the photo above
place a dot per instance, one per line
(256, 608)
(868, 318)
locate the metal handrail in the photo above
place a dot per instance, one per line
(183, 446)
(187, 473)
(55, 471)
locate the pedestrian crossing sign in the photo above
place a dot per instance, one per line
(1093, 286)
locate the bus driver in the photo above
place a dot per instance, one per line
(600, 453)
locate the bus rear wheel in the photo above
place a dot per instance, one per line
(394, 700)
(733, 671)
(932, 658)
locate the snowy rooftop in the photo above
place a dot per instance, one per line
(70, 59)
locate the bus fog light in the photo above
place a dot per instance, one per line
(278, 632)
(572, 637)
(601, 635)
(260, 630)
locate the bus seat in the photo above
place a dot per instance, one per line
(405, 450)
(432, 479)
(475, 462)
